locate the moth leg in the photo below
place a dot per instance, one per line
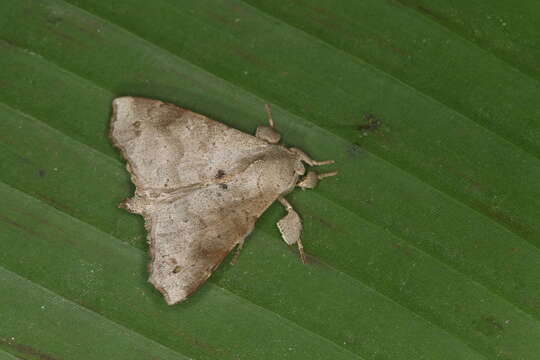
(290, 227)
(268, 133)
(237, 252)
(305, 158)
(269, 113)
(312, 179)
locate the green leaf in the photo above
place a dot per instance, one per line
(425, 246)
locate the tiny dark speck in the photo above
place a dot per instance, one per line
(354, 150)
(54, 20)
(223, 186)
(372, 123)
(220, 174)
(42, 172)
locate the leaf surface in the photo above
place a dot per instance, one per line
(425, 246)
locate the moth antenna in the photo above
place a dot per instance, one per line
(305, 158)
(319, 163)
(269, 113)
(325, 175)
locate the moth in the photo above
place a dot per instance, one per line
(201, 186)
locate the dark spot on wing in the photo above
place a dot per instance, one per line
(220, 174)
(164, 116)
(164, 122)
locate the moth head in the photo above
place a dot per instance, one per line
(268, 134)
(309, 181)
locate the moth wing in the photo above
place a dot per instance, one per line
(191, 235)
(168, 147)
(201, 186)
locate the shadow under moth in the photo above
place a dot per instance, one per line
(201, 186)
